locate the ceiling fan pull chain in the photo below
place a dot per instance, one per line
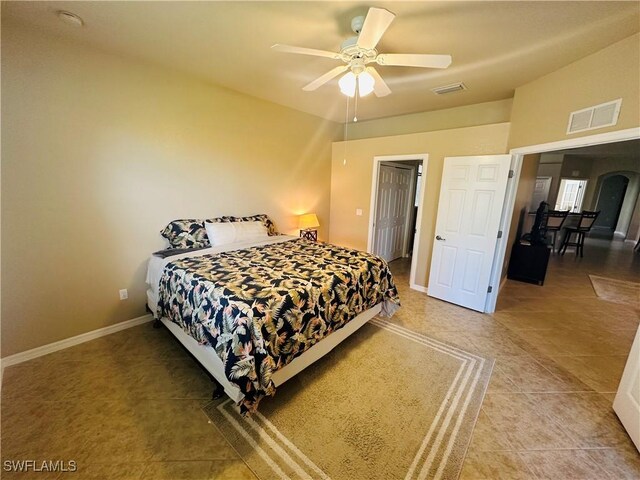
(346, 134)
(355, 108)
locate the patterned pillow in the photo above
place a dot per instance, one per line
(186, 233)
(271, 228)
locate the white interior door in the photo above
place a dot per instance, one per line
(471, 198)
(627, 401)
(540, 192)
(392, 210)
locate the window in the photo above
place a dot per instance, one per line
(570, 195)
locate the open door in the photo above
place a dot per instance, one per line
(627, 401)
(392, 210)
(471, 198)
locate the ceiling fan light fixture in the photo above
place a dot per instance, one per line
(348, 84)
(365, 84)
(364, 80)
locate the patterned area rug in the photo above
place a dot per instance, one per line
(387, 403)
(617, 291)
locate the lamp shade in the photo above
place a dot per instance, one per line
(348, 84)
(365, 84)
(309, 220)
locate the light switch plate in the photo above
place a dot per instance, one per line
(359, 212)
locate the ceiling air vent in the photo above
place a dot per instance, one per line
(454, 87)
(603, 115)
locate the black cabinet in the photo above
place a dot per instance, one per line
(528, 263)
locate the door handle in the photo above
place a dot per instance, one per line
(438, 237)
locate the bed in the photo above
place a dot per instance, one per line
(256, 313)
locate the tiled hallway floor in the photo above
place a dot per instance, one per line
(560, 352)
(127, 406)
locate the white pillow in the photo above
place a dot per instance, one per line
(231, 232)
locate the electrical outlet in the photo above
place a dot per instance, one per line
(124, 294)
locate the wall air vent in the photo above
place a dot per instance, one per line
(454, 87)
(598, 116)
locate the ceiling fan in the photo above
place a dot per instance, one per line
(359, 51)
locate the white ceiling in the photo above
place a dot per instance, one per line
(496, 46)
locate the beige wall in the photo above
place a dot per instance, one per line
(576, 167)
(541, 108)
(100, 152)
(551, 166)
(351, 183)
(602, 166)
(466, 116)
(634, 226)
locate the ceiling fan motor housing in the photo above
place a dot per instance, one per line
(350, 51)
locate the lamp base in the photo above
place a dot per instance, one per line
(309, 234)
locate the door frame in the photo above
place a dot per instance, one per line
(512, 187)
(377, 160)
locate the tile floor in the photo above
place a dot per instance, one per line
(560, 352)
(127, 406)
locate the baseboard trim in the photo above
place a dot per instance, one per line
(419, 288)
(70, 342)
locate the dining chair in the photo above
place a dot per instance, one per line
(555, 220)
(587, 220)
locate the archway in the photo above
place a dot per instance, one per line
(610, 198)
(610, 187)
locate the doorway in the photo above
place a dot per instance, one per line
(610, 200)
(393, 210)
(571, 195)
(397, 190)
(604, 139)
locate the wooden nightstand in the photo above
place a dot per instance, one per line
(309, 234)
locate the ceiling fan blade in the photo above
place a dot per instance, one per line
(414, 60)
(380, 88)
(375, 24)
(305, 51)
(318, 82)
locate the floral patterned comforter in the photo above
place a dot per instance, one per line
(261, 307)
